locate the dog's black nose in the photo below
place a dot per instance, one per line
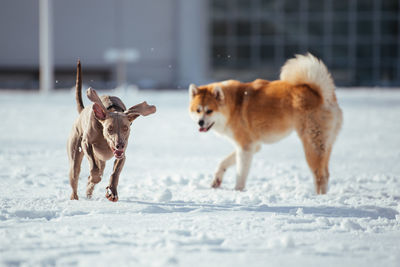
(201, 123)
(119, 146)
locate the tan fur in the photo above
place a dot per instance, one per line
(265, 112)
(100, 132)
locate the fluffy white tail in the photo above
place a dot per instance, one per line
(310, 70)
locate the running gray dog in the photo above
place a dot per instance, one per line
(100, 132)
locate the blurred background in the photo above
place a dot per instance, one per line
(167, 44)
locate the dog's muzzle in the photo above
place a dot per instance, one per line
(118, 153)
(205, 129)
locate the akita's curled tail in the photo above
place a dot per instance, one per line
(307, 69)
(78, 87)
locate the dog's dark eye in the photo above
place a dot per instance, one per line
(110, 129)
(209, 111)
(198, 110)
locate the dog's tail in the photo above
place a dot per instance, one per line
(78, 87)
(307, 69)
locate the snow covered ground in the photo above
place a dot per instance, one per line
(167, 214)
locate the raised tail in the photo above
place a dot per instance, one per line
(307, 69)
(78, 87)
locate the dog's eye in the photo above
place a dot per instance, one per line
(209, 111)
(198, 110)
(110, 129)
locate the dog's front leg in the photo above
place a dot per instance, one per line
(112, 193)
(96, 168)
(243, 162)
(222, 167)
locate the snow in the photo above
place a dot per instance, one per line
(167, 214)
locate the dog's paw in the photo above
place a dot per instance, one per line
(239, 187)
(111, 194)
(216, 183)
(321, 189)
(74, 196)
(89, 190)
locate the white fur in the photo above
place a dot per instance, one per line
(218, 93)
(192, 90)
(243, 162)
(220, 126)
(226, 83)
(309, 69)
(271, 138)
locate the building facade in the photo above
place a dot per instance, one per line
(184, 41)
(357, 39)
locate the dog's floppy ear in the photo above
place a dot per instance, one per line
(94, 97)
(218, 93)
(193, 90)
(98, 111)
(143, 109)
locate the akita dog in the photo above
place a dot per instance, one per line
(263, 111)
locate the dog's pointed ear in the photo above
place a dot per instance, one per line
(143, 109)
(218, 93)
(99, 113)
(193, 90)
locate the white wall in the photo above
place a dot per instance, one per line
(19, 33)
(163, 31)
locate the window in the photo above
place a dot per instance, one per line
(358, 40)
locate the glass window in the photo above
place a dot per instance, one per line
(291, 50)
(390, 6)
(267, 28)
(220, 6)
(316, 6)
(220, 28)
(340, 27)
(267, 6)
(317, 50)
(364, 51)
(364, 75)
(243, 5)
(292, 27)
(365, 5)
(291, 7)
(388, 74)
(267, 52)
(389, 27)
(243, 52)
(262, 34)
(316, 28)
(340, 51)
(243, 28)
(219, 54)
(340, 5)
(365, 27)
(389, 51)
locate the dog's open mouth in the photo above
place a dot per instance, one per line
(118, 153)
(205, 129)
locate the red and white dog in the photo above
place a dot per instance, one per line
(261, 111)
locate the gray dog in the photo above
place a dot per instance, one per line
(100, 132)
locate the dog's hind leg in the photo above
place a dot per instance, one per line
(112, 193)
(316, 134)
(318, 162)
(222, 167)
(75, 155)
